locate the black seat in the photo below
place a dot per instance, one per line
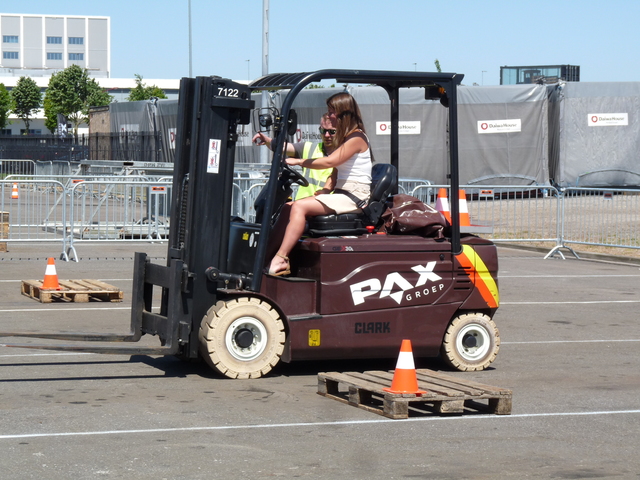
(384, 182)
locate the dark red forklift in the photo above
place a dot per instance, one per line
(353, 292)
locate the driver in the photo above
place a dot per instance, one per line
(320, 180)
(351, 159)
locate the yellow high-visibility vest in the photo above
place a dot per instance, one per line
(315, 177)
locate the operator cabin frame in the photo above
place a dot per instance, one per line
(437, 85)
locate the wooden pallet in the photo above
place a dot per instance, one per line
(445, 394)
(80, 291)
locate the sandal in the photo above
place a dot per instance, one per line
(286, 271)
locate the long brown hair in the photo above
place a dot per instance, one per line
(348, 116)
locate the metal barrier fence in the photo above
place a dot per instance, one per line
(48, 168)
(32, 211)
(71, 210)
(105, 210)
(602, 217)
(84, 210)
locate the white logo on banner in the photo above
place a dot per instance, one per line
(308, 133)
(608, 119)
(404, 128)
(499, 126)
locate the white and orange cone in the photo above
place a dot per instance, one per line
(50, 276)
(465, 219)
(405, 379)
(442, 204)
(14, 192)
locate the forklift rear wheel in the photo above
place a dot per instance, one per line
(471, 342)
(242, 338)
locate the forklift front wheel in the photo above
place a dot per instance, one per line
(242, 338)
(471, 342)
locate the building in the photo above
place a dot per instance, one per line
(39, 45)
(539, 74)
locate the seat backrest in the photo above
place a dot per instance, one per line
(384, 182)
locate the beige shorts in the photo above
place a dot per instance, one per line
(340, 203)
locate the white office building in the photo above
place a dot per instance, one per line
(40, 45)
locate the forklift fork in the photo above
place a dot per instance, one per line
(143, 320)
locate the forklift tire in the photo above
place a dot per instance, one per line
(471, 342)
(242, 338)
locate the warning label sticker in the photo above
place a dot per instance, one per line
(213, 162)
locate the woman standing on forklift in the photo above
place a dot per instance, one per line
(351, 159)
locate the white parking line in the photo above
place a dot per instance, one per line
(48, 310)
(570, 302)
(44, 354)
(317, 424)
(544, 342)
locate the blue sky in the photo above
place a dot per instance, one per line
(472, 37)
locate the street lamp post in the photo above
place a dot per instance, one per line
(190, 47)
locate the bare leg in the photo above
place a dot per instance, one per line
(300, 210)
(277, 232)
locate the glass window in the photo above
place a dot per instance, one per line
(76, 40)
(54, 40)
(76, 56)
(10, 55)
(10, 38)
(54, 56)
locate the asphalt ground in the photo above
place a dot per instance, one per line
(570, 354)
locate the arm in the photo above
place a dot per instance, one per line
(354, 144)
(261, 139)
(330, 184)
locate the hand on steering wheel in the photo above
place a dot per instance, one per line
(297, 176)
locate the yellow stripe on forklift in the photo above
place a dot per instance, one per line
(483, 281)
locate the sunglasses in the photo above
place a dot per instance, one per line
(331, 131)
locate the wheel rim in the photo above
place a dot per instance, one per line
(236, 336)
(473, 342)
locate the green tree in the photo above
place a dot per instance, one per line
(71, 92)
(5, 106)
(51, 118)
(27, 99)
(142, 92)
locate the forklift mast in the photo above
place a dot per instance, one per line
(211, 108)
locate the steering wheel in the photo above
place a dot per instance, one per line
(296, 176)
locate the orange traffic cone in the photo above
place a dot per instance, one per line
(465, 220)
(405, 379)
(442, 204)
(14, 192)
(50, 276)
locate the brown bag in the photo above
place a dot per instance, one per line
(406, 215)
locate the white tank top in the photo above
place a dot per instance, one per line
(357, 168)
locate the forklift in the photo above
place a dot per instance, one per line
(354, 291)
